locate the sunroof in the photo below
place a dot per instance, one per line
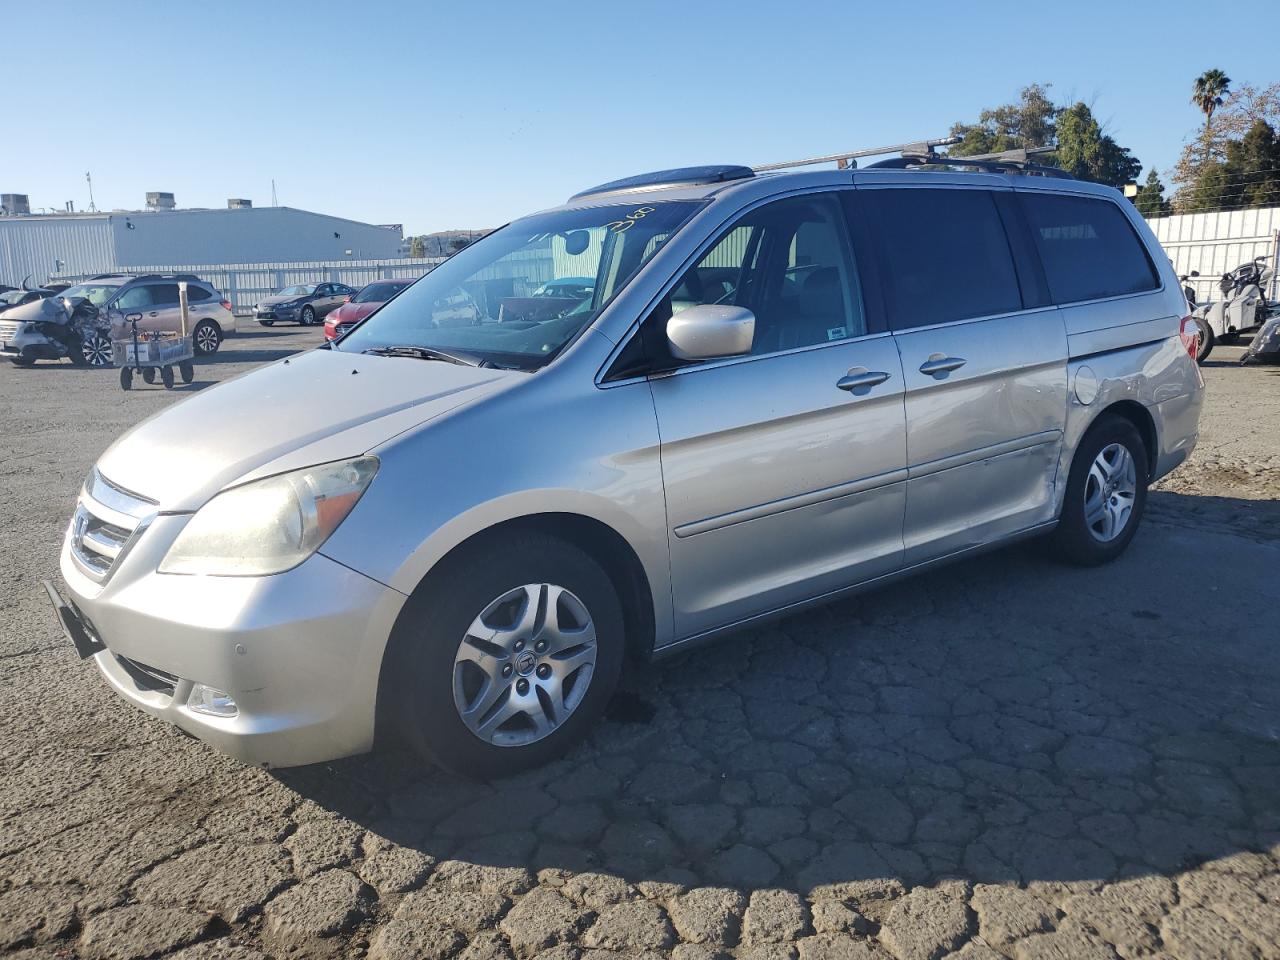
(715, 173)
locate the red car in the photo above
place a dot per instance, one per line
(369, 299)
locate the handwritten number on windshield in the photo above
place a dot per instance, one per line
(625, 224)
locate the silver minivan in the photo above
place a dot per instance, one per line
(779, 388)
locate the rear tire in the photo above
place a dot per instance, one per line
(23, 359)
(126, 378)
(188, 371)
(1106, 494)
(206, 338)
(534, 661)
(1207, 340)
(166, 377)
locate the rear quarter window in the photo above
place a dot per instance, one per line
(1088, 247)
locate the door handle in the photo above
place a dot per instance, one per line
(860, 378)
(939, 365)
(153, 313)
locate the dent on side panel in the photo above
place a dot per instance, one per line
(1158, 375)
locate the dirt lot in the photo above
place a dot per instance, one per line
(1006, 758)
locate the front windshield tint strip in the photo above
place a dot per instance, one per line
(518, 296)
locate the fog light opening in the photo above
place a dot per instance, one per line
(211, 702)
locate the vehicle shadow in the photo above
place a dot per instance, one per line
(1002, 719)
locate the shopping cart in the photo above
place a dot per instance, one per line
(146, 352)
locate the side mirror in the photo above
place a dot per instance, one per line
(708, 331)
(1195, 273)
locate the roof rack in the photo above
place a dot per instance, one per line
(1006, 161)
(914, 147)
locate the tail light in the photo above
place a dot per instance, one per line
(226, 304)
(1190, 334)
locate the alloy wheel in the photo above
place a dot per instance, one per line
(207, 339)
(97, 350)
(1109, 492)
(524, 665)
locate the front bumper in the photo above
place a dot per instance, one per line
(276, 313)
(300, 652)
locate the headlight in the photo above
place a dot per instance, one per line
(270, 525)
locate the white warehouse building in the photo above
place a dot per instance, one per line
(76, 244)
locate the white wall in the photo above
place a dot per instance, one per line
(1214, 243)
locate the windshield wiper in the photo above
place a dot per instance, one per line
(424, 353)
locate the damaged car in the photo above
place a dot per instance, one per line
(56, 327)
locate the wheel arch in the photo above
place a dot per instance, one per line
(594, 537)
(1143, 422)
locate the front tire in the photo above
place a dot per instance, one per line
(166, 377)
(1106, 493)
(206, 338)
(506, 657)
(96, 350)
(266, 323)
(126, 378)
(308, 317)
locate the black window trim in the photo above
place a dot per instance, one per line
(1161, 286)
(604, 376)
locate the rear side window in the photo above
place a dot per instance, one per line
(197, 293)
(1088, 247)
(943, 255)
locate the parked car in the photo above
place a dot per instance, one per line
(369, 298)
(304, 303)
(16, 298)
(909, 366)
(153, 297)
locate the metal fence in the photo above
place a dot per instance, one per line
(244, 284)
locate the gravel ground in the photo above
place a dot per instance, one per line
(1005, 758)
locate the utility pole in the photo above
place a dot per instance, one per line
(92, 207)
(273, 192)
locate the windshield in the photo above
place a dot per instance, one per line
(300, 290)
(481, 305)
(95, 293)
(378, 292)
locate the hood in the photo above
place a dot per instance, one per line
(351, 312)
(272, 300)
(312, 408)
(48, 310)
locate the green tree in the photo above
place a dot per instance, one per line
(1207, 93)
(417, 247)
(1027, 123)
(1086, 152)
(1201, 184)
(1252, 168)
(1150, 199)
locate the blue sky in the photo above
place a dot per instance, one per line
(465, 114)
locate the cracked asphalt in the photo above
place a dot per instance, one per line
(1003, 758)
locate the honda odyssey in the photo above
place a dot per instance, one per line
(779, 388)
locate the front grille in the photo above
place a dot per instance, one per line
(148, 678)
(8, 329)
(107, 520)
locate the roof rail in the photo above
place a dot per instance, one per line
(1006, 161)
(714, 173)
(915, 147)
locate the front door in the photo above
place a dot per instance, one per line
(784, 470)
(985, 362)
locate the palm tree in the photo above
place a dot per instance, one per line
(1210, 87)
